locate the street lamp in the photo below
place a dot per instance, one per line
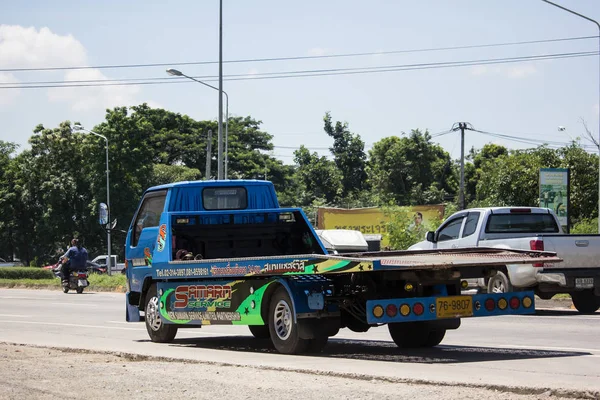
(174, 72)
(598, 25)
(78, 128)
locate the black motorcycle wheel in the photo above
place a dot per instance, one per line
(79, 290)
(65, 289)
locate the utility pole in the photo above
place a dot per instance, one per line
(220, 142)
(462, 126)
(208, 154)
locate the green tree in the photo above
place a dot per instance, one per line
(349, 156)
(410, 170)
(7, 200)
(319, 178)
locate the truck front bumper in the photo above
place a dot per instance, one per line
(387, 311)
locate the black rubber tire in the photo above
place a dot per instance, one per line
(435, 337)
(65, 289)
(586, 302)
(161, 333)
(293, 343)
(260, 331)
(317, 344)
(501, 281)
(408, 335)
(79, 290)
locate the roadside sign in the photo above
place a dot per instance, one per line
(103, 214)
(554, 192)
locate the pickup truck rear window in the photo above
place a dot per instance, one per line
(521, 223)
(225, 198)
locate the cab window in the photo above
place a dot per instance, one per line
(149, 214)
(471, 224)
(451, 230)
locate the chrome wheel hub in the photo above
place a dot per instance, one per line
(283, 320)
(153, 314)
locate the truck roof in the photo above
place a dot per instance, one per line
(223, 182)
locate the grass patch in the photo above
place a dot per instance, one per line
(100, 283)
(29, 273)
(561, 296)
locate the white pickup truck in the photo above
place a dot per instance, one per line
(526, 228)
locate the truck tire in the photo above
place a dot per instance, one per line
(499, 283)
(260, 331)
(157, 330)
(586, 302)
(282, 327)
(408, 335)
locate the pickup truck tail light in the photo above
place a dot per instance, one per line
(539, 246)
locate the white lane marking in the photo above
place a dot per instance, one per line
(121, 322)
(75, 304)
(15, 316)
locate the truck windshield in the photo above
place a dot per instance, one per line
(521, 223)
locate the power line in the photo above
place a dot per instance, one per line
(309, 73)
(271, 59)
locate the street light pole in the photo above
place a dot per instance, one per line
(109, 228)
(220, 136)
(175, 72)
(597, 25)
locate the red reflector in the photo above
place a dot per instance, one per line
(391, 310)
(515, 303)
(418, 309)
(81, 275)
(520, 210)
(490, 304)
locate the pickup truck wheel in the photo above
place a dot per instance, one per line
(409, 334)
(585, 301)
(499, 283)
(157, 330)
(282, 327)
(259, 331)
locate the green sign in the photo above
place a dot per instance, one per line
(554, 192)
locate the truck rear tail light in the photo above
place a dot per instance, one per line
(520, 210)
(378, 311)
(527, 301)
(391, 310)
(418, 309)
(502, 303)
(537, 245)
(490, 305)
(404, 310)
(515, 303)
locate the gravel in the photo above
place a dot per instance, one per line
(44, 373)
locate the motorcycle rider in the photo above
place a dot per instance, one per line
(75, 259)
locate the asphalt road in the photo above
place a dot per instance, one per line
(554, 349)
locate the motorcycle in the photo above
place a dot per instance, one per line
(78, 280)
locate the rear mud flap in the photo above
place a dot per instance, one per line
(132, 313)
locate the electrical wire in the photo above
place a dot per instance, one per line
(271, 59)
(310, 73)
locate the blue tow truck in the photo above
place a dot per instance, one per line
(224, 252)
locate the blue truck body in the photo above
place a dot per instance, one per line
(224, 252)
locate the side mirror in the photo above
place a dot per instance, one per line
(430, 237)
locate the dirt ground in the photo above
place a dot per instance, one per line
(42, 373)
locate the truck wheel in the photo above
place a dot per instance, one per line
(499, 283)
(435, 337)
(409, 334)
(259, 331)
(282, 327)
(157, 330)
(585, 301)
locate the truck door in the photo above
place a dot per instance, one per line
(144, 229)
(448, 235)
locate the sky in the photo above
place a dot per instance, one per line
(529, 100)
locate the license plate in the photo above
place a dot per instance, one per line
(584, 283)
(82, 282)
(453, 307)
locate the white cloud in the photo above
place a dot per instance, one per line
(318, 51)
(252, 71)
(597, 109)
(478, 70)
(521, 71)
(7, 96)
(22, 47)
(96, 97)
(30, 48)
